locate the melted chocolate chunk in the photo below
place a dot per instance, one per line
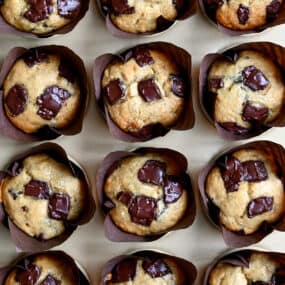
(39, 10)
(234, 128)
(254, 113)
(50, 280)
(143, 57)
(143, 210)
(16, 99)
(254, 171)
(120, 7)
(28, 275)
(173, 188)
(178, 86)
(243, 14)
(114, 91)
(38, 189)
(254, 79)
(68, 8)
(214, 4)
(51, 101)
(125, 197)
(148, 90)
(156, 268)
(67, 71)
(125, 270)
(216, 83)
(153, 172)
(59, 205)
(259, 206)
(34, 56)
(272, 10)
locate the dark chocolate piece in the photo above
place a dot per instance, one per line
(68, 9)
(153, 172)
(148, 90)
(120, 7)
(216, 83)
(254, 171)
(125, 197)
(243, 14)
(114, 91)
(272, 10)
(254, 79)
(37, 189)
(34, 56)
(173, 188)
(143, 57)
(156, 268)
(50, 280)
(59, 205)
(39, 10)
(125, 270)
(28, 274)
(234, 128)
(254, 113)
(259, 206)
(178, 86)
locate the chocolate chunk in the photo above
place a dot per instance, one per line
(148, 90)
(272, 10)
(67, 71)
(125, 197)
(59, 205)
(28, 274)
(68, 9)
(254, 113)
(243, 14)
(120, 7)
(34, 56)
(259, 206)
(114, 91)
(143, 57)
(39, 10)
(142, 210)
(234, 128)
(153, 172)
(214, 4)
(232, 173)
(178, 86)
(173, 188)
(254, 171)
(16, 99)
(125, 270)
(38, 189)
(50, 280)
(155, 268)
(150, 131)
(216, 83)
(254, 79)
(51, 101)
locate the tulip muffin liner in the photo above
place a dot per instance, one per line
(189, 9)
(241, 258)
(47, 132)
(274, 52)
(187, 267)
(279, 20)
(71, 265)
(6, 28)
(110, 163)
(183, 60)
(22, 240)
(237, 239)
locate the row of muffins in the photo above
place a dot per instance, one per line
(125, 17)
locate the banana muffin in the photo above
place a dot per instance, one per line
(245, 93)
(43, 196)
(146, 90)
(41, 89)
(39, 16)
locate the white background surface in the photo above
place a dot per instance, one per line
(201, 242)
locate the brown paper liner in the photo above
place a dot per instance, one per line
(112, 232)
(187, 267)
(9, 29)
(271, 50)
(46, 133)
(235, 239)
(22, 240)
(183, 60)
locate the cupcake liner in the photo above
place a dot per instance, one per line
(109, 164)
(189, 9)
(70, 265)
(230, 32)
(274, 52)
(188, 268)
(181, 57)
(235, 239)
(46, 133)
(20, 238)
(9, 29)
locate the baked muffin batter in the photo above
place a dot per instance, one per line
(42, 197)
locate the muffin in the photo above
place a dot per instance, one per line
(42, 89)
(43, 196)
(145, 91)
(246, 93)
(40, 16)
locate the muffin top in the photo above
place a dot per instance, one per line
(41, 89)
(261, 270)
(245, 93)
(148, 195)
(146, 89)
(39, 16)
(247, 190)
(43, 197)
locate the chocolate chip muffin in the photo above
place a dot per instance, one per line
(43, 197)
(41, 89)
(145, 90)
(246, 92)
(247, 190)
(260, 270)
(39, 16)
